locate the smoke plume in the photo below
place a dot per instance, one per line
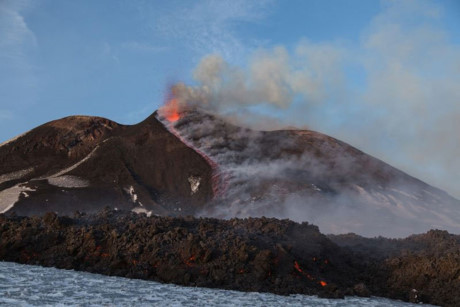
(272, 78)
(306, 176)
(394, 94)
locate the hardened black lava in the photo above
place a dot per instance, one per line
(253, 254)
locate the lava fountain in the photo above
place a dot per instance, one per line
(171, 110)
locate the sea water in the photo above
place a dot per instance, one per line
(28, 285)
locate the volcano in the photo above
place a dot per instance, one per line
(197, 163)
(84, 164)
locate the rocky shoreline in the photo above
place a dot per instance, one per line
(254, 254)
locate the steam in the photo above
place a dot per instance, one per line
(272, 79)
(307, 176)
(395, 94)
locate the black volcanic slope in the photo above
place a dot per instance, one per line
(86, 163)
(203, 165)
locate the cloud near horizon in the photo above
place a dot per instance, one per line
(17, 42)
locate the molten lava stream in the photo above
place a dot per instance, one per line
(299, 269)
(171, 113)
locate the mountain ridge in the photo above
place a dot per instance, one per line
(201, 164)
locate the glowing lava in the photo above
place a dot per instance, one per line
(172, 110)
(189, 261)
(298, 268)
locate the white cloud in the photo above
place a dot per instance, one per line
(208, 26)
(413, 80)
(17, 78)
(15, 35)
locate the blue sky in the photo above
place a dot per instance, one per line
(381, 75)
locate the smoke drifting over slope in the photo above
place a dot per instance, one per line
(306, 176)
(196, 163)
(394, 94)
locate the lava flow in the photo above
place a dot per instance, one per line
(299, 269)
(172, 113)
(189, 261)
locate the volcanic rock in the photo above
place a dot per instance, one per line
(254, 254)
(200, 164)
(304, 175)
(86, 163)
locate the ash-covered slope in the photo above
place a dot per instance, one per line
(86, 163)
(200, 164)
(308, 176)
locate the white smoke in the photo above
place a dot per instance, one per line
(306, 176)
(394, 95)
(273, 77)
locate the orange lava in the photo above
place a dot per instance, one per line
(189, 261)
(297, 266)
(172, 110)
(173, 117)
(323, 283)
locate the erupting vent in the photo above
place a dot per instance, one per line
(169, 114)
(171, 110)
